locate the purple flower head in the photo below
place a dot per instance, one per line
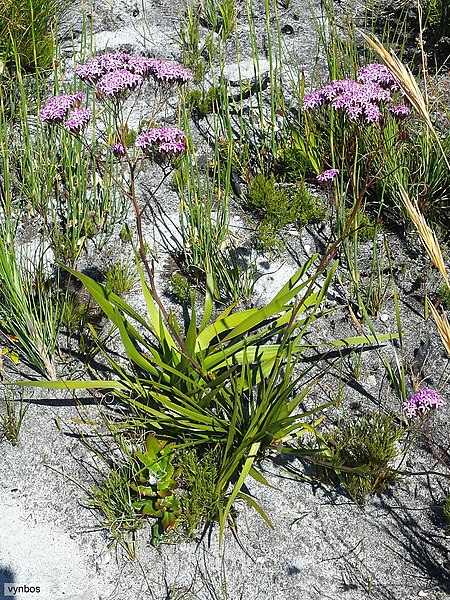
(169, 72)
(57, 107)
(400, 111)
(115, 82)
(118, 150)
(141, 65)
(78, 118)
(355, 100)
(328, 175)
(378, 74)
(99, 65)
(372, 113)
(170, 140)
(313, 100)
(422, 401)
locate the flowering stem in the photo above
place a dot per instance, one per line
(150, 270)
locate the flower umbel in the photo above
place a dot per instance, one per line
(118, 150)
(170, 140)
(422, 401)
(57, 107)
(328, 175)
(115, 82)
(359, 99)
(78, 118)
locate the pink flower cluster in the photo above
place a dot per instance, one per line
(118, 150)
(78, 118)
(422, 401)
(169, 141)
(57, 108)
(328, 175)
(359, 99)
(116, 72)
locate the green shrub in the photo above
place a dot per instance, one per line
(281, 204)
(120, 277)
(360, 453)
(182, 289)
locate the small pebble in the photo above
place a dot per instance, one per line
(384, 318)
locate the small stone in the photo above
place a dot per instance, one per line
(384, 318)
(371, 381)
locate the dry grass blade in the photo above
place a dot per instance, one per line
(443, 327)
(427, 235)
(404, 76)
(408, 83)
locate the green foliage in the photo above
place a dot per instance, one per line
(125, 234)
(232, 383)
(200, 473)
(280, 205)
(120, 277)
(444, 295)
(447, 510)
(203, 102)
(155, 485)
(219, 16)
(29, 307)
(114, 499)
(11, 420)
(360, 453)
(26, 36)
(182, 288)
(292, 163)
(193, 48)
(364, 225)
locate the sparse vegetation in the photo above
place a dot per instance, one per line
(263, 168)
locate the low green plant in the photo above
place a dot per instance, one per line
(444, 295)
(30, 308)
(155, 483)
(199, 475)
(114, 499)
(120, 277)
(235, 383)
(366, 226)
(219, 16)
(360, 453)
(280, 204)
(446, 510)
(182, 289)
(11, 420)
(196, 53)
(203, 102)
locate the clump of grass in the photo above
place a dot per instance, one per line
(199, 479)
(203, 102)
(11, 420)
(360, 454)
(120, 277)
(366, 226)
(444, 295)
(114, 500)
(26, 36)
(446, 509)
(219, 16)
